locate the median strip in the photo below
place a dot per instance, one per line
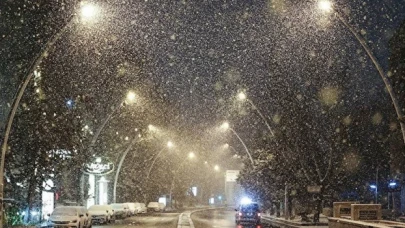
(185, 218)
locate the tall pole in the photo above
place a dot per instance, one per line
(261, 116)
(378, 67)
(117, 173)
(153, 162)
(16, 102)
(244, 145)
(376, 186)
(95, 137)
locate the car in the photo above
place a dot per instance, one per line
(143, 209)
(154, 207)
(65, 216)
(131, 208)
(120, 210)
(87, 218)
(162, 206)
(101, 214)
(137, 207)
(248, 213)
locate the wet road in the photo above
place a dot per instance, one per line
(167, 220)
(223, 218)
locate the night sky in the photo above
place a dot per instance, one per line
(200, 54)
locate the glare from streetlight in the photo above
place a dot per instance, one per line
(242, 96)
(325, 5)
(225, 126)
(152, 128)
(191, 155)
(131, 97)
(170, 144)
(88, 11)
(216, 168)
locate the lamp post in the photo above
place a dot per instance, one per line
(88, 11)
(243, 97)
(327, 6)
(225, 126)
(130, 98)
(117, 173)
(191, 155)
(169, 145)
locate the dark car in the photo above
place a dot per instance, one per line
(248, 213)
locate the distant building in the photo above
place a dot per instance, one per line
(233, 190)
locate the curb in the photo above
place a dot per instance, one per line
(185, 220)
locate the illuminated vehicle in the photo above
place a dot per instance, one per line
(248, 213)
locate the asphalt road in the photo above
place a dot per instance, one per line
(167, 220)
(221, 218)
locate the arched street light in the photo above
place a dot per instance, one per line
(129, 99)
(225, 126)
(84, 8)
(191, 156)
(243, 97)
(327, 6)
(169, 145)
(124, 155)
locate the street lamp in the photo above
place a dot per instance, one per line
(216, 168)
(191, 155)
(169, 145)
(225, 126)
(375, 188)
(117, 173)
(130, 98)
(327, 6)
(88, 11)
(152, 128)
(16, 102)
(243, 97)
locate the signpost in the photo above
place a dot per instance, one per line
(98, 167)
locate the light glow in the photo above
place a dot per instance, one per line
(131, 96)
(170, 144)
(245, 200)
(88, 11)
(242, 96)
(325, 5)
(225, 126)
